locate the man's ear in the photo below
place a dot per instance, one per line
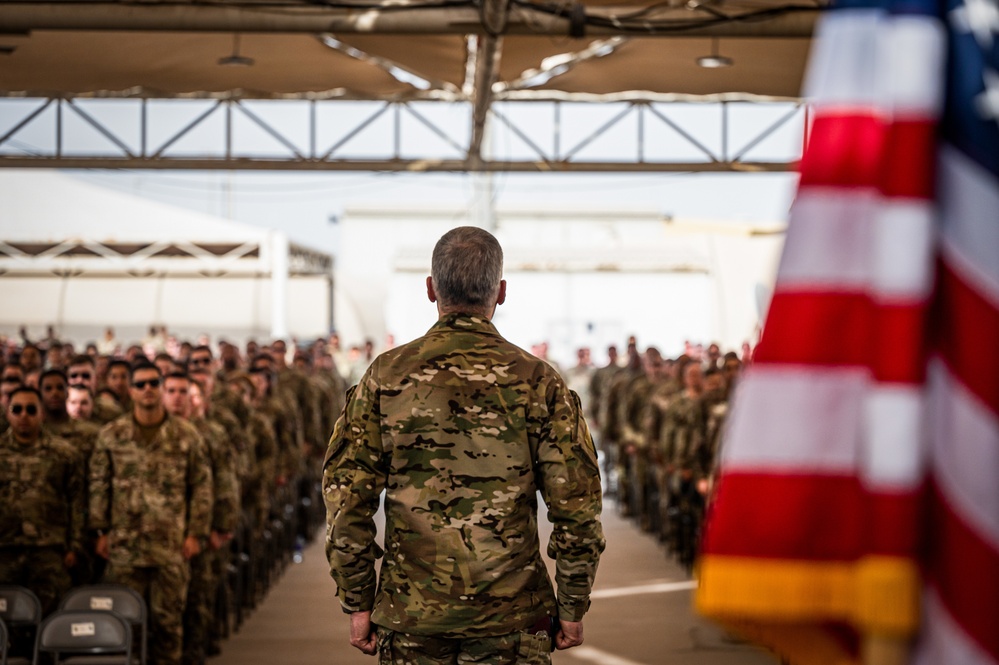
(501, 296)
(431, 294)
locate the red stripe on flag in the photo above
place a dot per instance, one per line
(966, 332)
(808, 517)
(910, 159)
(844, 150)
(964, 570)
(863, 150)
(847, 330)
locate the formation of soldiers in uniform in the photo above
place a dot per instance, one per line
(156, 472)
(658, 422)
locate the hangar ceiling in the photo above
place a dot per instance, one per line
(63, 62)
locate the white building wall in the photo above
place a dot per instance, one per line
(700, 284)
(236, 308)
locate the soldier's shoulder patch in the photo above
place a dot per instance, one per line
(338, 441)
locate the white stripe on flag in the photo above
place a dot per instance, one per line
(859, 242)
(893, 437)
(840, 71)
(865, 60)
(791, 419)
(965, 452)
(801, 419)
(911, 49)
(942, 642)
(969, 199)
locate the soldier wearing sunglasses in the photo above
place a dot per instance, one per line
(41, 503)
(151, 504)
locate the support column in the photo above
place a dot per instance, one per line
(279, 285)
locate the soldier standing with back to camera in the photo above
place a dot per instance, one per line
(462, 429)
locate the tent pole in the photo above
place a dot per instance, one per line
(279, 285)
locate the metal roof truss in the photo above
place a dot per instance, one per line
(627, 133)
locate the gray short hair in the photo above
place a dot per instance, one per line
(467, 268)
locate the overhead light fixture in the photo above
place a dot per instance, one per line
(714, 61)
(236, 60)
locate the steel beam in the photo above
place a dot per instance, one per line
(391, 165)
(21, 17)
(450, 155)
(487, 62)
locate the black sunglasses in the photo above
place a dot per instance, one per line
(80, 375)
(200, 361)
(30, 409)
(11, 379)
(152, 383)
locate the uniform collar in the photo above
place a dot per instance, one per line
(461, 322)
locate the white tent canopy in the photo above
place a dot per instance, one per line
(81, 257)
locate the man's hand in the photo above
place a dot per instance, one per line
(103, 547)
(69, 560)
(217, 539)
(191, 547)
(570, 634)
(362, 633)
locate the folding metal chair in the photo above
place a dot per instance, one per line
(94, 637)
(117, 598)
(3, 642)
(21, 611)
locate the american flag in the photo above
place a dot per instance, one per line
(859, 493)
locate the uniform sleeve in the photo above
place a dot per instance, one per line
(225, 511)
(354, 474)
(76, 488)
(99, 484)
(266, 449)
(570, 486)
(199, 488)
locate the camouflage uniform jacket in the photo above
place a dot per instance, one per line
(80, 434)
(225, 483)
(104, 413)
(150, 498)
(42, 499)
(462, 430)
(682, 436)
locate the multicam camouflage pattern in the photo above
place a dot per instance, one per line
(41, 569)
(521, 648)
(285, 421)
(225, 484)
(462, 430)
(165, 587)
(303, 393)
(42, 494)
(104, 412)
(681, 439)
(150, 498)
(235, 431)
(80, 434)
(260, 487)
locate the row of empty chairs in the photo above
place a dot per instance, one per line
(94, 625)
(257, 562)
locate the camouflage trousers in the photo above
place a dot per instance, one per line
(513, 649)
(200, 605)
(40, 569)
(165, 591)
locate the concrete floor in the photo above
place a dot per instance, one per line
(641, 615)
